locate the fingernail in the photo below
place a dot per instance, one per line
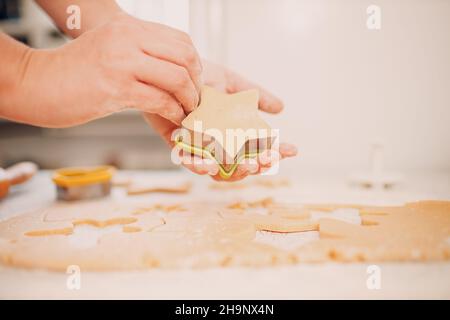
(251, 166)
(288, 150)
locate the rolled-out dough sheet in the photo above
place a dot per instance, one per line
(137, 187)
(204, 235)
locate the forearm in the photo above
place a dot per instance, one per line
(13, 65)
(93, 13)
(30, 90)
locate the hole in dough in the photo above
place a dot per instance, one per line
(349, 215)
(87, 236)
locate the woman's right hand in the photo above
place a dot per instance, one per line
(125, 63)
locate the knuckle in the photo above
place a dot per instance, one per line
(182, 79)
(191, 55)
(185, 36)
(120, 29)
(165, 101)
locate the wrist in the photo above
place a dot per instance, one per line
(93, 20)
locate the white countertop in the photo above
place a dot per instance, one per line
(398, 280)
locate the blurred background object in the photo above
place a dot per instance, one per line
(344, 85)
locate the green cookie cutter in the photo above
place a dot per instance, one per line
(204, 153)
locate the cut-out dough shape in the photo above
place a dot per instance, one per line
(219, 112)
(226, 128)
(274, 218)
(148, 186)
(144, 223)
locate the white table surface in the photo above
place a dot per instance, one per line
(304, 281)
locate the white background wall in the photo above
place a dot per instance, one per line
(345, 86)
(170, 12)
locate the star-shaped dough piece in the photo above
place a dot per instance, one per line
(230, 122)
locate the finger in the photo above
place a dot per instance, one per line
(179, 53)
(166, 32)
(162, 126)
(268, 158)
(165, 129)
(242, 171)
(213, 168)
(199, 165)
(287, 150)
(169, 77)
(149, 99)
(246, 168)
(250, 165)
(233, 178)
(194, 164)
(267, 101)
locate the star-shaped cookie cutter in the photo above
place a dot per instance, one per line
(205, 153)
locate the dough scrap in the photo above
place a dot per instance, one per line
(142, 187)
(120, 180)
(160, 208)
(268, 183)
(203, 235)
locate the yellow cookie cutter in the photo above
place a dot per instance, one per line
(204, 153)
(74, 177)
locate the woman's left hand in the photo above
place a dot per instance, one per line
(227, 81)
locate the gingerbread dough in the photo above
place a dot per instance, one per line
(218, 113)
(417, 231)
(199, 235)
(141, 186)
(263, 182)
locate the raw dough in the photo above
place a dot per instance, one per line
(218, 113)
(137, 187)
(199, 235)
(269, 183)
(416, 231)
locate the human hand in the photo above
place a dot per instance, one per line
(124, 63)
(230, 82)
